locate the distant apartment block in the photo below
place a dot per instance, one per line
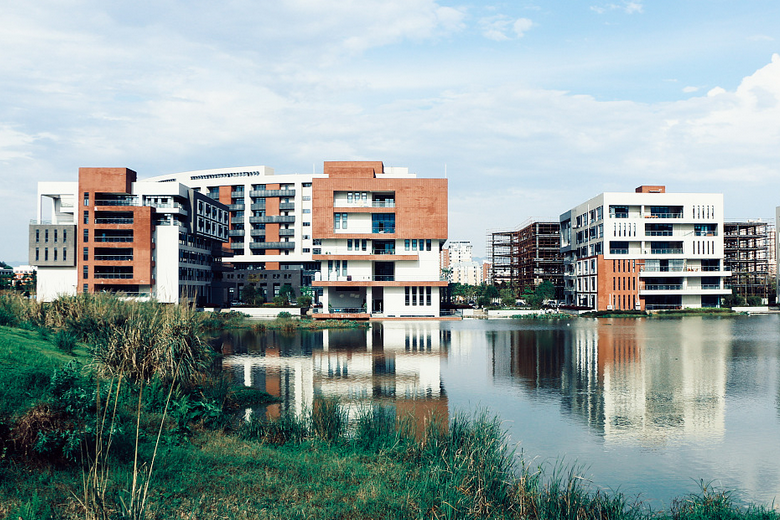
(527, 257)
(645, 250)
(746, 247)
(458, 265)
(379, 234)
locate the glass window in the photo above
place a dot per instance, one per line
(349, 244)
(86, 235)
(407, 243)
(427, 244)
(414, 244)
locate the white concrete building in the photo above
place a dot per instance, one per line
(645, 250)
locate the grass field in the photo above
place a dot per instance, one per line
(87, 433)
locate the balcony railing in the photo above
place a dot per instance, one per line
(130, 201)
(113, 275)
(287, 206)
(286, 232)
(618, 251)
(663, 287)
(113, 220)
(272, 219)
(711, 286)
(236, 245)
(237, 233)
(670, 215)
(113, 239)
(659, 234)
(383, 252)
(113, 257)
(383, 278)
(272, 193)
(272, 245)
(666, 251)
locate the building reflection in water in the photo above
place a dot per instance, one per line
(622, 383)
(395, 364)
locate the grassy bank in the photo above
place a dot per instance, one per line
(114, 413)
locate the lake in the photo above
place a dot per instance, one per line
(647, 405)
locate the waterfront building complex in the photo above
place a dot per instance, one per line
(644, 250)
(368, 236)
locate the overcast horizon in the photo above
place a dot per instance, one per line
(529, 107)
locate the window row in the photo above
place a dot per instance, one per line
(411, 295)
(46, 235)
(54, 254)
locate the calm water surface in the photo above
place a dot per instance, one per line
(648, 406)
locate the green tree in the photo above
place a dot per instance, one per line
(507, 297)
(545, 291)
(734, 301)
(287, 293)
(250, 295)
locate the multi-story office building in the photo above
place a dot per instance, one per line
(459, 251)
(644, 250)
(270, 234)
(380, 232)
(110, 232)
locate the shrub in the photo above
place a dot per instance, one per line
(65, 341)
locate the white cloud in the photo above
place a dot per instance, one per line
(159, 96)
(499, 27)
(690, 89)
(521, 26)
(627, 6)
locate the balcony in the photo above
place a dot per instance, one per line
(113, 276)
(117, 201)
(257, 206)
(664, 215)
(272, 219)
(236, 207)
(237, 220)
(237, 194)
(113, 257)
(107, 238)
(287, 206)
(272, 193)
(272, 245)
(236, 233)
(666, 251)
(663, 287)
(113, 220)
(257, 233)
(236, 245)
(286, 232)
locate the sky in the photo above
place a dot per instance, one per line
(528, 107)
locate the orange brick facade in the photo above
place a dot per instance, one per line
(98, 193)
(619, 283)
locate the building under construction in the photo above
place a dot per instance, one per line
(746, 247)
(527, 257)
